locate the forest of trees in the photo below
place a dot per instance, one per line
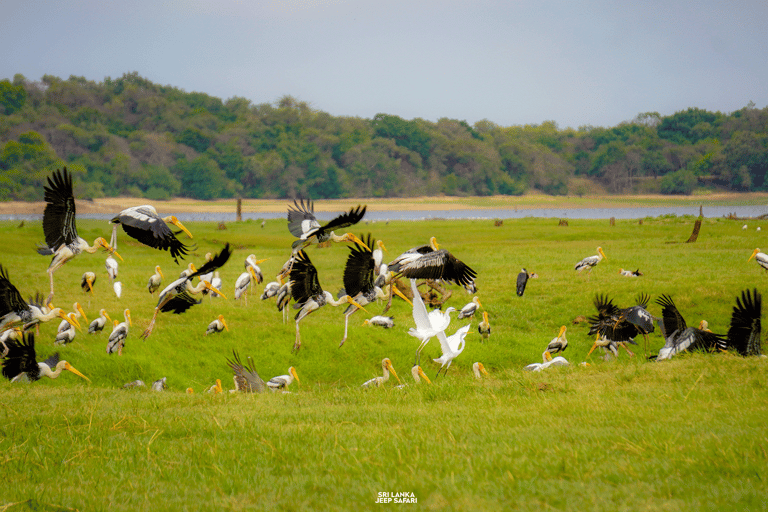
(129, 136)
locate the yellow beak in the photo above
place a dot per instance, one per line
(71, 368)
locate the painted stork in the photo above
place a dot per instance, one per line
(622, 325)
(77, 312)
(216, 282)
(246, 377)
(760, 257)
(431, 262)
(745, 329)
(555, 361)
(558, 344)
(270, 290)
(479, 369)
(427, 324)
(243, 282)
(117, 338)
(61, 240)
(452, 346)
(386, 322)
(484, 327)
(155, 280)
(303, 224)
(177, 296)
(251, 261)
(111, 265)
(87, 282)
(217, 326)
(590, 261)
(98, 324)
(283, 381)
(308, 294)
(522, 281)
(67, 334)
(418, 373)
(20, 365)
(284, 296)
(630, 273)
(145, 225)
(679, 337)
(470, 309)
(386, 369)
(14, 311)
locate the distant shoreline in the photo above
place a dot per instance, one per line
(525, 202)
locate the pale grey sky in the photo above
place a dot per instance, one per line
(594, 62)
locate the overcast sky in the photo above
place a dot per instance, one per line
(594, 62)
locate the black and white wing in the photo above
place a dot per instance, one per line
(59, 214)
(303, 279)
(246, 378)
(301, 219)
(439, 264)
(145, 225)
(744, 333)
(360, 267)
(21, 358)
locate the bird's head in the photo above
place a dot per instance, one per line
(292, 371)
(127, 315)
(72, 319)
(485, 316)
(79, 309)
(387, 364)
(600, 250)
(381, 245)
(476, 300)
(190, 391)
(481, 368)
(176, 222)
(208, 285)
(703, 325)
(562, 332)
(218, 388)
(423, 375)
(355, 303)
(433, 243)
(223, 322)
(351, 237)
(754, 253)
(157, 269)
(103, 243)
(72, 369)
(367, 322)
(397, 291)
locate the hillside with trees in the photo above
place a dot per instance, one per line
(129, 136)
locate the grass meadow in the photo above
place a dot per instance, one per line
(627, 434)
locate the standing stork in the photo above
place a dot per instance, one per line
(155, 280)
(67, 334)
(283, 381)
(470, 309)
(590, 261)
(20, 364)
(145, 225)
(15, 311)
(303, 224)
(252, 262)
(246, 377)
(679, 337)
(87, 282)
(484, 327)
(760, 257)
(98, 324)
(242, 283)
(308, 294)
(177, 296)
(61, 240)
(116, 341)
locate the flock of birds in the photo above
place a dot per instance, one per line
(367, 278)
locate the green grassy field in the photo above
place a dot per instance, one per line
(627, 434)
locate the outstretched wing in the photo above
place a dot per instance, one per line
(59, 214)
(744, 333)
(352, 217)
(303, 279)
(358, 272)
(216, 262)
(439, 264)
(672, 320)
(21, 358)
(301, 218)
(10, 297)
(145, 225)
(246, 377)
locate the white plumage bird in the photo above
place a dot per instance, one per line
(478, 369)
(155, 280)
(386, 322)
(98, 324)
(427, 324)
(283, 381)
(452, 346)
(470, 309)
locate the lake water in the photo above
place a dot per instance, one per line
(498, 213)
